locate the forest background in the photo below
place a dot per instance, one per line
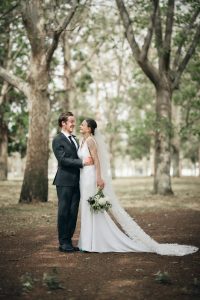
(132, 65)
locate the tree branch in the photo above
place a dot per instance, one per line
(81, 65)
(33, 19)
(58, 32)
(148, 38)
(4, 91)
(8, 11)
(6, 64)
(128, 28)
(184, 35)
(168, 34)
(159, 36)
(17, 82)
(8, 60)
(188, 55)
(145, 65)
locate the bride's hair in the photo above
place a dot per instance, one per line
(92, 124)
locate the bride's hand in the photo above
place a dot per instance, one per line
(88, 161)
(100, 183)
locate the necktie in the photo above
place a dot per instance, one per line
(72, 142)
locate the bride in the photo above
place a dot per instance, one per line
(99, 233)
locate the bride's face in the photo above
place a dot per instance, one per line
(84, 129)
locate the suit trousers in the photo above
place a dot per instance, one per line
(68, 203)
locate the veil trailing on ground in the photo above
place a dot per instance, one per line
(130, 227)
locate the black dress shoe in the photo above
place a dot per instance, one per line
(76, 249)
(66, 248)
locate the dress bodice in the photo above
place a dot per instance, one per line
(83, 151)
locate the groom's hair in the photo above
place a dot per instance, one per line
(64, 117)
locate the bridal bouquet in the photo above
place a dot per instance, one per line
(99, 202)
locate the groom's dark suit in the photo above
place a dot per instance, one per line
(67, 185)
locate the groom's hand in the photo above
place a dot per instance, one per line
(88, 161)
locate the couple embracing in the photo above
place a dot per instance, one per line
(81, 170)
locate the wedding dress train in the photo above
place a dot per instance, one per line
(99, 233)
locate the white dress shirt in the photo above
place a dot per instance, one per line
(67, 136)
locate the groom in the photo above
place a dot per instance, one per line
(65, 148)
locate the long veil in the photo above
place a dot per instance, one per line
(130, 227)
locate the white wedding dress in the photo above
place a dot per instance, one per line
(99, 233)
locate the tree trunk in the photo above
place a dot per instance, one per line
(112, 159)
(152, 157)
(66, 101)
(176, 119)
(199, 158)
(176, 162)
(34, 16)
(162, 180)
(3, 149)
(35, 183)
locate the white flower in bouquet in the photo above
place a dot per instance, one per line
(102, 201)
(106, 199)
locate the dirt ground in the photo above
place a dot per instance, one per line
(32, 267)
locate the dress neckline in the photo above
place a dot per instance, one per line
(82, 144)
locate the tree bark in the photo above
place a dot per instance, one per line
(175, 142)
(35, 183)
(176, 161)
(67, 100)
(152, 157)
(3, 149)
(199, 158)
(3, 98)
(162, 179)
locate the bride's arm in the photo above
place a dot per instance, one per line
(93, 151)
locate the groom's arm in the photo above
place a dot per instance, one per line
(63, 161)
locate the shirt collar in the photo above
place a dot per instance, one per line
(67, 134)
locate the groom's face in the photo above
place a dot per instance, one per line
(69, 124)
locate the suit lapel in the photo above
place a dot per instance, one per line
(68, 142)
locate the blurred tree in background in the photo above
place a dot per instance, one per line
(41, 22)
(187, 99)
(163, 36)
(13, 108)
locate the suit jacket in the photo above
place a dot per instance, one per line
(69, 164)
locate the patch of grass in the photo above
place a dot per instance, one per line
(27, 282)
(162, 277)
(51, 280)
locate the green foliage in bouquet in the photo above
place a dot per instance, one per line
(98, 202)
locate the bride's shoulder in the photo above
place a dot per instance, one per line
(91, 141)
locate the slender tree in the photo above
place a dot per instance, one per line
(188, 102)
(36, 20)
(166, 75)
(3, 99)
(176, 140)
